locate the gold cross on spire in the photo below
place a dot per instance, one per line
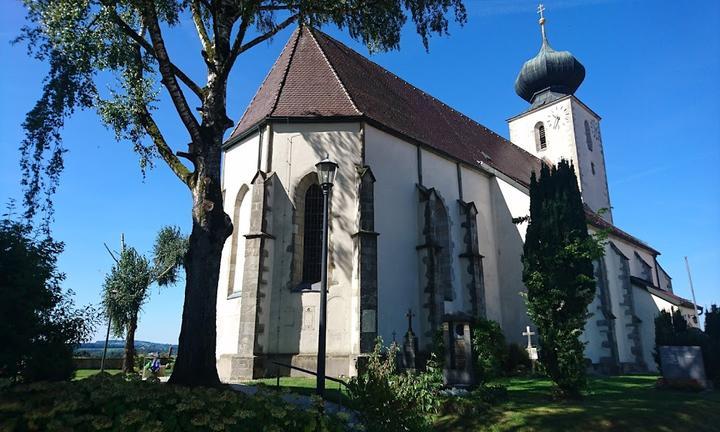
(540, 10)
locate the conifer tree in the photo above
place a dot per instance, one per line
(558, 272)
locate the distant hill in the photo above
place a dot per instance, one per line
(117, 346)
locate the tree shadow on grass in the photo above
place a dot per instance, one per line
(627, 403)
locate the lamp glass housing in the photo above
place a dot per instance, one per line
(326, 171)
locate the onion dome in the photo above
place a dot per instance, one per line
(548, 75)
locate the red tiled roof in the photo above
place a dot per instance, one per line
(318, 77)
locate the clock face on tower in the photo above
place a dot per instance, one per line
(558, 116)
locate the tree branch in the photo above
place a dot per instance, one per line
(111, 254)
(165, 272)
(269, 34)
(238, 48)
(125, 27)
(200, 27)
(177, 167)
(150, 19)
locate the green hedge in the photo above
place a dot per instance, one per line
(105, 403)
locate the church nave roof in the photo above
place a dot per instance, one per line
(317, 77)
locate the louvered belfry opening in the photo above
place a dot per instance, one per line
(543, 141)
(312, 234)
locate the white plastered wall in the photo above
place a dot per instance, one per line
(593, 185)
(239, 167)
(296, 149)
(510, 202)
(394, 164)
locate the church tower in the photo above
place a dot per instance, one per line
(557, 125)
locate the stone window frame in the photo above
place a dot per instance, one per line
(234, 241)
(298, 220)
(588, 137)
(540, 136)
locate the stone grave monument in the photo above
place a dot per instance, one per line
(459, 370)
(682, 366)
(410, 346)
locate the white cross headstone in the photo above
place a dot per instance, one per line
(529, 335)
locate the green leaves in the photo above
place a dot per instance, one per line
(126, 288)
(39, 321)
(104, 402)
(558, 273)
(168, 254)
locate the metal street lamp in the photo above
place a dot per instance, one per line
(326, 176)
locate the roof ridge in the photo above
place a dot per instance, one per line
(392, 74)
(296, 33)
(311, 31)
(287, 69)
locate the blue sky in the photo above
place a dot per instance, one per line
(652, 74)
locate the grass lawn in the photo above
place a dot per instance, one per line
(625, 403)
(84, 373)
(334, 392)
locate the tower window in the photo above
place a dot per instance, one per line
(588, 135)
(540, 139)
(592, 167)
(312, 235)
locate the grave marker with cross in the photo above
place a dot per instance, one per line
(409, 315)
(529, 335)
(532, 351)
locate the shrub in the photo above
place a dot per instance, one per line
(102, 402)
(474, 403)
(517, 360)
(388, 401)
(39, 325)
(489, 348)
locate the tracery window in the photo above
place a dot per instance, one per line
(312, 235)
(588, 136)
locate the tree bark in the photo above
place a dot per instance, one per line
(129, 358)
(195, 363)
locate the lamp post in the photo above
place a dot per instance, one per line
(326, 176)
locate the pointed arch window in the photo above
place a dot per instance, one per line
(312, 235)
(540, 138)
(241, 226)
(588, 136)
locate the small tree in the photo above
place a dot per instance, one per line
(39, 326)
(127, 286)
(558, 272)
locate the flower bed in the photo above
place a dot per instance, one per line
(110, 403)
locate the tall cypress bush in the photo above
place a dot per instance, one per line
(558, 273)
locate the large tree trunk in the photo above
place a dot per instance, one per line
(129, 358)
(195, 363)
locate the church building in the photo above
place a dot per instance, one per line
(421, 215)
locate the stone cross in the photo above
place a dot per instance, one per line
(409, 315)
(529, 335)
